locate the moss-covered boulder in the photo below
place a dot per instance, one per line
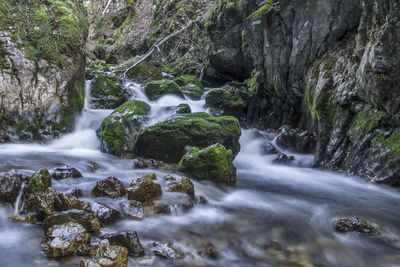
(230, 103)
(167, 140)
(118, 131)
(183, 109)
(191, 86)
(107, 92)
(39, 182)
(212, 163)
(159, 88)
(145, 72)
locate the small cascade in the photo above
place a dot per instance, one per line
(17, 204)
(175, 210)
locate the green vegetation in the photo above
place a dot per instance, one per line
(392, 142)
(39, 182)
(264, 7)
(253, 83)
(366, 120)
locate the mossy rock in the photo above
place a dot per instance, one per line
(39, 182)
(118, 131)
(159, 88)
(145, 72)
(107, 92)
(167, 140)
(183, 109)
(191, 86)
(229, 102)
(212, 163)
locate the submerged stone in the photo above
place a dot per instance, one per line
(167, 250)
(355, 224)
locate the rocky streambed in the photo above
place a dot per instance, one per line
(203, 193)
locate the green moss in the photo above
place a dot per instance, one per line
(253, 82)
(366, 120)
(158, 88)
(132, 108)
(392, 142)
(145, 71)
(39, 182)
(264, 7)
(183, 109)
(231, 103)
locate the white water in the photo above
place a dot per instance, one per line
(293, 205)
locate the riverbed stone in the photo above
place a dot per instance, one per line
(167, 140)
(132, 208)
(167, 250)
(105, 214)
(129, 240)
(118, 131)
(143, 189)
(10, 186)
(88, 220)
(355, 224)
(64, 172)
(39, 182)
(68, 201)
(66, 240)
(43, 203)
(191, 86)
(158, 88)
(109, 187)
(212, 163)
(177, 183)
(105, 254)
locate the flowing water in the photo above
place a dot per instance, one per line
(275, 215)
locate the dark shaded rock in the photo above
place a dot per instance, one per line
(106, 255)
(296, 140)
(88, 220)
(167, 250)
(132, 208)
(212, 163)
(66, 240)
(176, 183)
(140, 164)
(129, 240)
(43, 203)
(167, 140)
(10, 186)
(159, 88)
(64, 172)
(69, 201)
(355, 224)
(150, 163)
(269, 149)
(39, 182)
(283, 158)
(109, 187)
(143, 190)
(105, 214)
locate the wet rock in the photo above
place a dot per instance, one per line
(296, 140)
(109, 187)
(170, 203)
(159, 88)
(77, 192)
(140, 164)
(150, 163)
(69, 201)
(66, 240)
(106, 255)
(105, 214)
(269, 149)
(29, 218)
(64, 172)
(176, 183)
(145, 72)
(183, 109)
(39, 182)
(129, 240)
(191, 86)
(10, 186)
(283, 158)
(167, 250)
(93, 166)
(118, 131)
(107, 92)
(212, 163)
(143, 190)
(355, 224)
(88, 220)
(167, 140)
(43, 203)
(132, 208)
(229, 102)
(150, 176)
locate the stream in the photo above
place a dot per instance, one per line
(275, 215)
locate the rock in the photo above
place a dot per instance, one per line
(167, 140)
(355, 224)
(283, 158)
(88, 220)
(183, 109)
(296, 140)
(29, 218)
(132, 208)
(143, 190)
(109, 187)
(159, 88)
(176, 183)
(269, 149)
(39, 182)
(66, 240)
(118, 131)
(92, 166)
(10, 186)
(145, 72)
(167, 250)
(129, 240)
(191, 86)
(43, 203)
(170, 203)
(106, 255)
(212, 163)
(140, 164)
(64, 172)
(151, 163)
(105, 214)
(106, 92)
(69, 201)
(229, 102)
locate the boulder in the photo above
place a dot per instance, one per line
(88, 220)
(183, 109)
(191, 86)
(129, 240)
(212, 163)
(145, 72)
(159, 88)
(296, 140)
(39, 182)
(70, 201)
(66, 240)
(143, 190)
(230, 103)
(109, 187)
(118, 131)
(167, 250)
(43, 203)
(132, 208)
(106, 92)
(167, 140)
(105, 214)
(106, 255)
(177, 183)
(10, 186)
(355, 224)
(64, 172)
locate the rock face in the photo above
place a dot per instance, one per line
(167, 140)
(212, 163)
(43, 68)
